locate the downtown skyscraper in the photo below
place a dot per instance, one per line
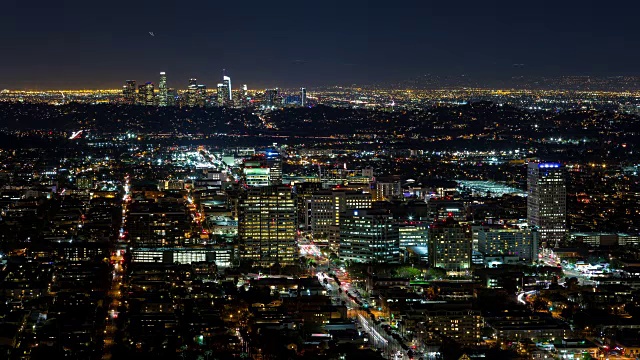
(162, 90)
(129, 92)
(547, 201)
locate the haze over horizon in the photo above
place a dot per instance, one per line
(74, 44)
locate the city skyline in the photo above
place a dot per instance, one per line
(75, 45)
(319, 180)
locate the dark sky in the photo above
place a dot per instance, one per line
(99, 44)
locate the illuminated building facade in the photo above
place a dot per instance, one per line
(327, 206)
(369, 236)
(547, 201)
(129, 92)
(413, 233)
(522, 243)
(256, 173)
(162, 90)
(274, 163)
(192, 93)
(146, 94)
(303, 96)
(267, 226)
(450, 245)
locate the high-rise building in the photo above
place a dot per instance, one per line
(162, 90)
(450, 245)
(413, 233)
(274, 163)
(271, 98)
(201, 95)
(256, 173)
(172, 96)
(226, 82)
(547, 201)
(245, 95)
(129, 92)
(369, 236)
(192, 93)
(221, 94)
(522, 243)
(146, 94)
(327, 206)
(303, 96)
(267, 225)
(387, 189)
(304, 193)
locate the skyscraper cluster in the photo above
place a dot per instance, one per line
(197, 95)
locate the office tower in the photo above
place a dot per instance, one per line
(220, 94)
(172, 96)
(129, 92)
(271, 98)
(192, 89)
(226, 82)
(442, 208)
(450, 245)
(303, 96)
(274, 163)
(413, 233)
(369, 236)
(201, 95)
(162, 90)
(256, 173)
(304, 192)
(146, 94)
(327, 206)
(521, 243)
(244, 99)
(267, 226)
(157, 224)
(387, 189)
(547, 201)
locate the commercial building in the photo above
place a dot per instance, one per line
(192, 93)
(369, 236)
(146, 94)
(328, 205)
(267, 225)
(256, 173)
(271, 98)
(605, 239)
(129, 92)
(274, 163)
(221, 255)
(226, 83)
(457, 321)
(162, 90)
(413, 233)
(547, 201)
(450, 245)
(522, 243)
(152, 224)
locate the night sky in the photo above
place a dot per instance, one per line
(98, 44)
